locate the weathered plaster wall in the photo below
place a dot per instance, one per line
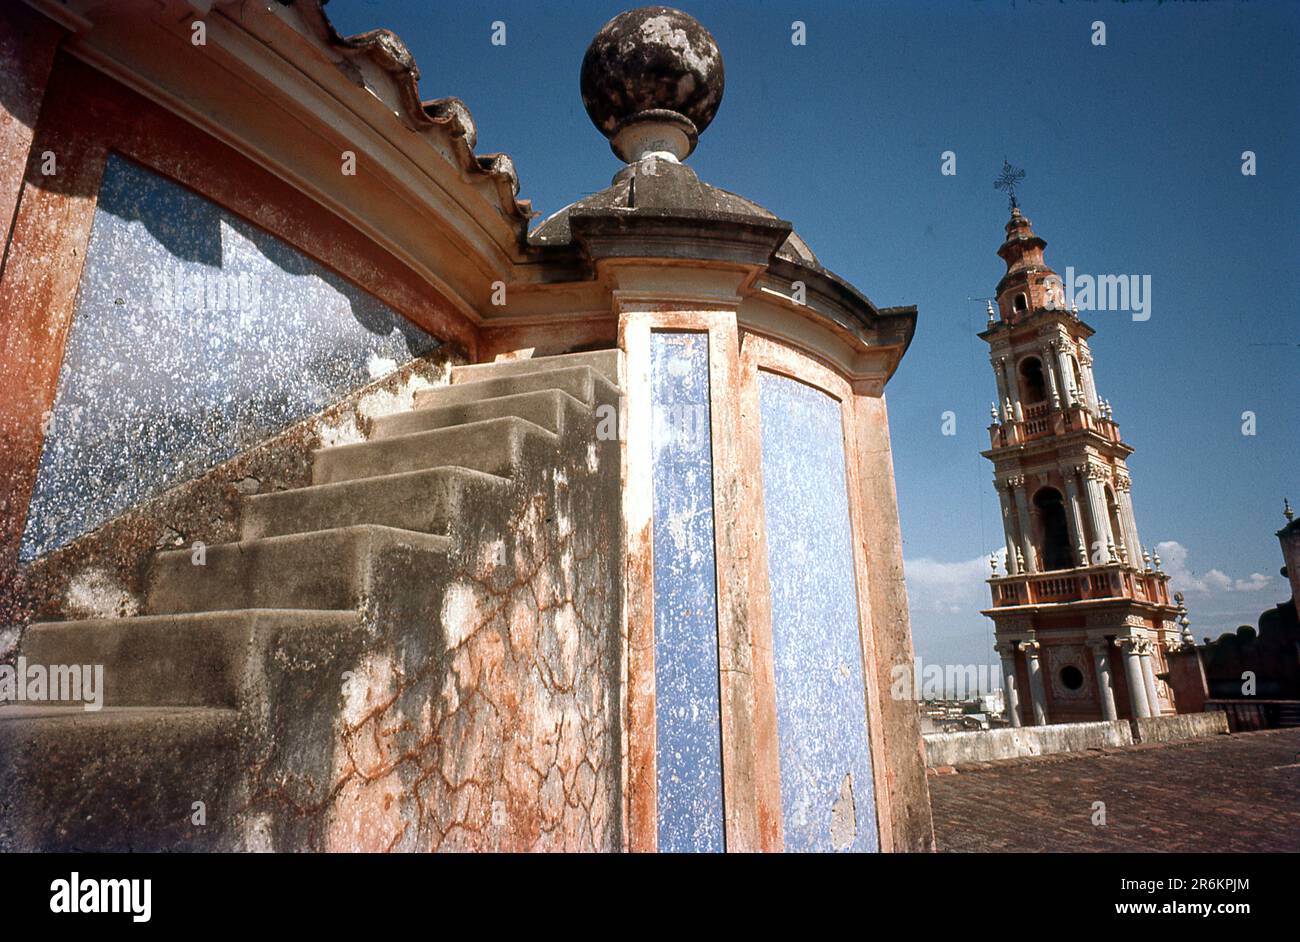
(1181, 726)
(911, 824)
(27, 44)
(953, 748)
(469, 702)
(494, 725)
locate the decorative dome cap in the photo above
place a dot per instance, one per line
(652, 80)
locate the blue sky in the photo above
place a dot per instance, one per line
(1133, 159)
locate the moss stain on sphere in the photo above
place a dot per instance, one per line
(651, 59)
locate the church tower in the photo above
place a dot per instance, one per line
(1082, 614)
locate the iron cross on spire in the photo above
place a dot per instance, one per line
(1008, 179)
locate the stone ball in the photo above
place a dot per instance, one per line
(651, 59)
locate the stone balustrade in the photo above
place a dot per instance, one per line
(1113, 580)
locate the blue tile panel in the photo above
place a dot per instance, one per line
(687, 719)
(827, 798)
(195, 336)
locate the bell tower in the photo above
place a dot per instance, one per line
(1082, 613)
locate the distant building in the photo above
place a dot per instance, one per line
(993, 703)
(1254, 674)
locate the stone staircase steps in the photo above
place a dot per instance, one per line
(580, 382)
(604, 362)
(120, 779)
(428, 501)
(211, 659)
(543, 407)
(327, 569)
(493, 446)
(233, 682)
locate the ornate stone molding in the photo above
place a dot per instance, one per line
(1097, 472)
(1063, 656)
(1015, 625)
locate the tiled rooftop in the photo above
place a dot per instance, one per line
(1227, 793)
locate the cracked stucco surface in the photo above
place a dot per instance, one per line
(480, 709)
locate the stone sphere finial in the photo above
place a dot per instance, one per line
(652, 81)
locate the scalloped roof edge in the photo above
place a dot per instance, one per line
(449, 117)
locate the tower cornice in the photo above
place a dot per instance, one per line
(1025, 450)
(1078, 328)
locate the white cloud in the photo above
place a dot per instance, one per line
(948, 587)
(1253, 583)
(945, 599)
(1173, 557)
(1217, 579)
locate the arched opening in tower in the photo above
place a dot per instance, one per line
(1031, 374)
(1055, 534)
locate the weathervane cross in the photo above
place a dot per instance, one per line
(1007, 180)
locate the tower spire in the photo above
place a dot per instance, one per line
(1029, 284)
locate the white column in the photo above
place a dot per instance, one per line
(1137, 685)
(1089, 381)
(1149, 679)
(1008, 526)
(1049, 367)
(1017, 484)
(1008, 655)
(1100, 519)
(1000, 374)
(1120, 536)
(1067, 374)
(1037, 695)
(1073, 516)
(1125, 498)
(1105, 689)
(1013, 383)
